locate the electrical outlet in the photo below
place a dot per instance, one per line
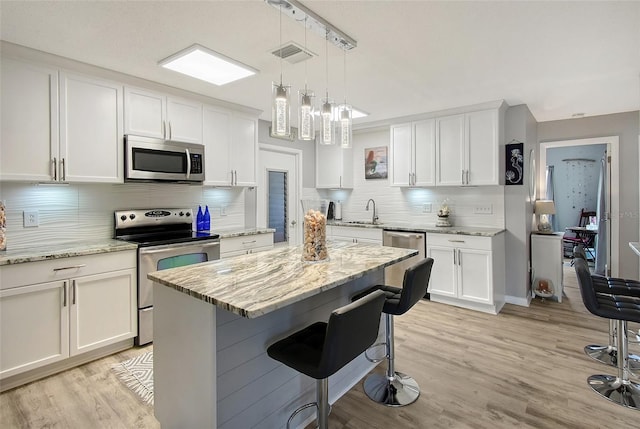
(483, 209)
(223, 210)
(30, 218)
(426, 208)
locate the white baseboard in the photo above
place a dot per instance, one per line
(516, 300)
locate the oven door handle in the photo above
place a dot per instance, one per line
(171, 247)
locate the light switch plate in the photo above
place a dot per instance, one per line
(30, 218)
(223, 210)
(483, 209)
(426, 208)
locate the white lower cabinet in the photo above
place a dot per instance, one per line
(468, 271)
(56, 309)
(355, 234)
(243, 245)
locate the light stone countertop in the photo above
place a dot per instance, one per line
(461, 230)
(635, 246)
(241, 232)
(41, 252)
(258, 283)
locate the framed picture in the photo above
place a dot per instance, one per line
(514, 167)
(375, 163)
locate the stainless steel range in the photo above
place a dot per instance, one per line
(165, 240)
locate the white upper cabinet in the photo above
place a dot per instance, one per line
(243, 151)
(468, 148)
(91, 144)
(29, 132)
(334, 167)
(156, 115)
(231, 143)
(59, 127)
(413, 154)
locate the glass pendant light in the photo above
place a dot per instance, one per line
(306, 110)
(327, 125)
(345, 113)
(280, 102)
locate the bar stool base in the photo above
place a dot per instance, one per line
(612, 388)
(609, 356)
(402, 390)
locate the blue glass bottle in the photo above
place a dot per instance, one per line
(199, 219)
(206, 219)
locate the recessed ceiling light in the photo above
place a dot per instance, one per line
(205, 64)
(355, 113)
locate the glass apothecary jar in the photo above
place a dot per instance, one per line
(314, 245)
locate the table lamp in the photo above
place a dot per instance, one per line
(544, 208)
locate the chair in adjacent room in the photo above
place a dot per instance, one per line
(570, 239)
(321, 349)
(396, 389)
(622, 309)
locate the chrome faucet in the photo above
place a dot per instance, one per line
(374, 218)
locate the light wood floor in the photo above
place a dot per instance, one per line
(524, 368)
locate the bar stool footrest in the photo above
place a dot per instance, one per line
(609, 356)
(400, 391)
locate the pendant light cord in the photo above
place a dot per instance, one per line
(326, 45)
(280, 44)
(345, 75)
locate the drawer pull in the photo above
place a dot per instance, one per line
(73, 267)
(249, 242)
(456, 241)
(64, 295)
(73, 289)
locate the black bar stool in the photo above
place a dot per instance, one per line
(321, 349)
(622, 309)
(396, 389)
(608, 354)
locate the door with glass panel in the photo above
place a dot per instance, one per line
(278, 193)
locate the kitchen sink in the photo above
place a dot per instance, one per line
(362, 222)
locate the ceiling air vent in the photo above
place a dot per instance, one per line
(293, 53)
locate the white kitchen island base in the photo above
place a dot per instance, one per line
(211, 369)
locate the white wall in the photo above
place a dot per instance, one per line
(405, 205)
(85, 211)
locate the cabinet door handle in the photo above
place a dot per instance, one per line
(455, 260)
(467, 177)
(73, 290)
(414, 179)
(55, 169)
(64, 171)
(164, 129)
(170, 133)
(64, 295)
(341, 181)
(459, 257)
(72, 267)
(235, 175)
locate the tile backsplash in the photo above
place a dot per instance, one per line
(78, 212)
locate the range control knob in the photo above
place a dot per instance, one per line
(132, 216)
(188, 214)
(123, 218)
(181, 213)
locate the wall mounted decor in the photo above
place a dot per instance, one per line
(375, 163)
(514, 163)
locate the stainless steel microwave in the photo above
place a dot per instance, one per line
(152, 160)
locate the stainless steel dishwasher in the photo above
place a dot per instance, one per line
(394, 274)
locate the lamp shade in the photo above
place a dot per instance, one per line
(545, 207)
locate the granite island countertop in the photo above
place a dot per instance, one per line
(40, 252)
(256, 284)
(405, 226)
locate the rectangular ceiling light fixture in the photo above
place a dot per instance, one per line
(205, 64)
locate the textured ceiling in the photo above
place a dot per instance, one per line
(559, 58)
